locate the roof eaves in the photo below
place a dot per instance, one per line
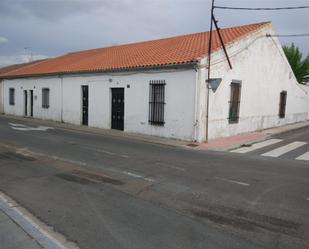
(186, 65)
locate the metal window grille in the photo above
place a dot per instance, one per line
(234, 102)
(12, 96)
(45, 97)
(156, 102)
(282, 104)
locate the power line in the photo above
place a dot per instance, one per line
(291, 35)
(275, 8)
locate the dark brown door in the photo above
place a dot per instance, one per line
(31, 103)
(85, 105)
(25, 103)
(118, 108)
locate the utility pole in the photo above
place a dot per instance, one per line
(209, 61)
(30, 49)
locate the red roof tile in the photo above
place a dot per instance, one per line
(183, 49)
(13, 67)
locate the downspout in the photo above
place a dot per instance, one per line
(61, 113)
(1, 97)
(1, 100)
(196, 113)
(208, 71)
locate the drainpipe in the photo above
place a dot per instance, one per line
(208, 75)
(61, 78)
(196, 105)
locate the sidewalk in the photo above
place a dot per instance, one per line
(13, 237)
(21, 230)
(228, 143)
(99, 131)
(220, 144)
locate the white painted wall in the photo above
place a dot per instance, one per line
(259, 62)
(35, 84)
(179, 97)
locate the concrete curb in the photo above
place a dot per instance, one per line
(264, 134)
(41, 233)
(285, 128)
(156, 140)
(101, 131)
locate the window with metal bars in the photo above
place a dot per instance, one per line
(45, 97)
(12, 96)
(234, 102)
(282, 104)
(156, 102)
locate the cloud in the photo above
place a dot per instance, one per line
(3, 40)
(54, 10)
(55, 27)
(17, 59)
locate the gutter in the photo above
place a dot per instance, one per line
(189, 65)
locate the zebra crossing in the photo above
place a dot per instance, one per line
(277, 148)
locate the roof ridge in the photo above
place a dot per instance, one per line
(165, 38)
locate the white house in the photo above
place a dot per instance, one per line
(158, 87)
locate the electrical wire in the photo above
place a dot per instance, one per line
(290, 35)
(275, 8)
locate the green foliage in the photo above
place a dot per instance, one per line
(300, 67)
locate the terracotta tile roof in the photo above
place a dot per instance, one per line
(177, 50)
(13, 67)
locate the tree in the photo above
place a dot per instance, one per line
(299, 66)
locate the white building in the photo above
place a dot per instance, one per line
(158, 87)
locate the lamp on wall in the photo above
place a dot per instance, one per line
(213, 83)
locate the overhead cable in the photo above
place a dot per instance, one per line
(274, 8)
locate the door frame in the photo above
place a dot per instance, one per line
(82, 105)
(25, 103)
(111, 108)
(31, 102)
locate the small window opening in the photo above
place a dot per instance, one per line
(282, 104)
(156, 102)
(45, 98)
(234, 102)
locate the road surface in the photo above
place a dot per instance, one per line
(104, 191)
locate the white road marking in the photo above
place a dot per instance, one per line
(21, 127)
(138, 176)
(304, 157)
(284, 149)
(232, 181)
(133, 174)
(257, 146)
(17, 125)
(68, 160)
(170, 166)
(106, 152)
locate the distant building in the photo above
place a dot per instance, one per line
(158, 87)
(10, 68)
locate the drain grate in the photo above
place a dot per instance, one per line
(192, 145)
(84, 177)
(8, 155)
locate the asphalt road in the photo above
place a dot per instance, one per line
(112, 192)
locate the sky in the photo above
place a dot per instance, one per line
(49, 28)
